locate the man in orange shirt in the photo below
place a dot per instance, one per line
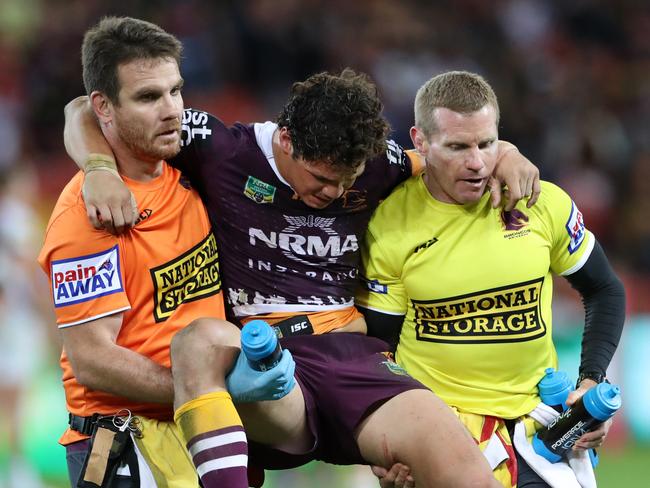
(120, 300)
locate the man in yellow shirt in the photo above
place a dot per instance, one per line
(465, 289)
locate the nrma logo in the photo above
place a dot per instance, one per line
(306, 238)
(80, 279)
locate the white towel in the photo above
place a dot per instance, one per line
(495, 452)
(146, 476)
(577, 472)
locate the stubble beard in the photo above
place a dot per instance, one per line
(143, 146)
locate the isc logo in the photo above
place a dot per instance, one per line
(299, 326)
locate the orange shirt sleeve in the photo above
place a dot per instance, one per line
(85, 269)
(417, 161)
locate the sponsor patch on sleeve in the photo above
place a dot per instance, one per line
(575, 227)
(395, 154)
(375, 286)
(194, 126)
(84, 278)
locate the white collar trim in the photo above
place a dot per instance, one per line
(264, 137)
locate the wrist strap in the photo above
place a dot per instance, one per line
(96, 161)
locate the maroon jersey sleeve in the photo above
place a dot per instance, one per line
(205, 143)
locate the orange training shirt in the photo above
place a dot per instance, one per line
(161, 275)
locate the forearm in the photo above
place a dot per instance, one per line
(604, 318)
(603, 297)
(82, 135)
(603, 327)
(122, 372)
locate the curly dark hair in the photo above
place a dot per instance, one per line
(335, 118)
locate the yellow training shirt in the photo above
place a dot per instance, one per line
(475, 285)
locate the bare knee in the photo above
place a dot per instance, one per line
(202, 354)
(201, 336)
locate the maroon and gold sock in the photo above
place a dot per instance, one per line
(215, 439)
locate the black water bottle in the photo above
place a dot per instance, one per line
(596, 406)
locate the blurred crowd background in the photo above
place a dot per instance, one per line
(573, 83)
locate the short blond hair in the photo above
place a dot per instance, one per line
(460, 91)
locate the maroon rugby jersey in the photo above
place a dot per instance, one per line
(276, 253)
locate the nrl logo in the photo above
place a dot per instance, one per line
(259, 191)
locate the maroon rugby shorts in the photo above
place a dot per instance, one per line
(344, 377)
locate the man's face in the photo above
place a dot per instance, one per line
(318, 184)
(148, 118)
(460, 154)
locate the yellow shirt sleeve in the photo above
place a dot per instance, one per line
(381, 288)
(571, 241)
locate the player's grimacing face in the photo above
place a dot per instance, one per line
(461, 154)
(148, 117)
(318, 184)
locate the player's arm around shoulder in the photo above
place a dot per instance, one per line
(518, 174)
(110, 205)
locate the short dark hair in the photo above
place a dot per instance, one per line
(336, 118)
(117, 40)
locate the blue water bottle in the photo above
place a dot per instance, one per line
(596, 406)
(260, 345)
(554, 388)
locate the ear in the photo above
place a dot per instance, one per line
(102, 107)
(284, 139)
(419, 140)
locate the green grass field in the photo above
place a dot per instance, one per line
(628, 467)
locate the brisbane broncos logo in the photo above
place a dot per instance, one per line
(354, 199)
(322, 223)
(513, 220)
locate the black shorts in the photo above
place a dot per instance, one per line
(344, 377)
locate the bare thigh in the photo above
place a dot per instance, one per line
(281, 424)
(417, 428)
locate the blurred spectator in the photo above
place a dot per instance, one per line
(634, 228)
(22, 329)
